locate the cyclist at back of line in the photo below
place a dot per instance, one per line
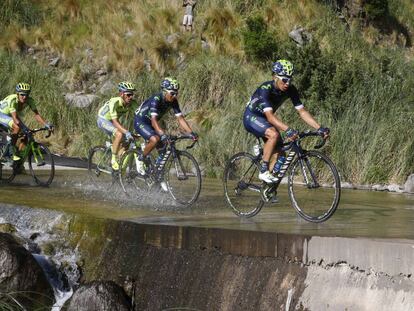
(108, 118)
(12, 109)
(147, 116)
(260, 120)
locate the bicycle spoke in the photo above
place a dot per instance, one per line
(314, 187)
(242, 186)
(183, 178)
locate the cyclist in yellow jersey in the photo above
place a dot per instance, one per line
(12, 108)
(109, 114)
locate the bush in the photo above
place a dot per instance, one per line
(376, 9)
(259, 44)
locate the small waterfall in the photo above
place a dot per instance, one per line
(35, 228)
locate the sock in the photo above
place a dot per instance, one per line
(265, 166)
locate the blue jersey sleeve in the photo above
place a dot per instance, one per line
(294, 97)
(154, 106)
(176, 109)
(264, 94)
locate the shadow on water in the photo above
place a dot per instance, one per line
(360, 213)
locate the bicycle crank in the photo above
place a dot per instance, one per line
(268, 192)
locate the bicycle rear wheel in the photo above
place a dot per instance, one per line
(7, 167)
(242, 185)
(314, 186)
(99, 166)
(183, 178)
(41, 165)
(131, 182)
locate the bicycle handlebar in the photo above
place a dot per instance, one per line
(49, 132)
(174, 138)
(288, 145)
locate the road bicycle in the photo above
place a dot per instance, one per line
(99, 164)
(312, 179)
(38, 156)
(177, 172)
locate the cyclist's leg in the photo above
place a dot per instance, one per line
(260, 127)
(151, 137)
(108, 128)
(148, 133)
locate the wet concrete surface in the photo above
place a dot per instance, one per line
(360, 213)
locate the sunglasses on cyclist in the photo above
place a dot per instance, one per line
(129, 94)
(173, 93)
(24, 94)
(285, 80)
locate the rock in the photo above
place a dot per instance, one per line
(300, 36)
(394, 188)
(21, 273)
(101, 72)
(171, 38)
(409, 184)
(107, 87)
(80, 100)
(129, 34)
(347, 185)
(54, 61)
(99, 295)
(30, 51)
(378, 187)
(205, 45)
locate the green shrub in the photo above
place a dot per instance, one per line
(259, 44)
(376, 9)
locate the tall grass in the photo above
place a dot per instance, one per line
(361, 89)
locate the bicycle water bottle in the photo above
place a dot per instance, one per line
(279, 164)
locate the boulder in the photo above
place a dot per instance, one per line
(99, 295)
(409, 184)
(80, 100)
(300, 35)
(107, 87)
(22, 278)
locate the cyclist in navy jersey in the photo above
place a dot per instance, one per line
(151, 111)
(260, 120)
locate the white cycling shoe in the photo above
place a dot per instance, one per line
(267, 177)
(164, 187)
(140, 167)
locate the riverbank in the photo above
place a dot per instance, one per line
(164, 267)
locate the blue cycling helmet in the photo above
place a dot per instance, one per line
(23, 88)
(170, 84)
(282, 67)
(126, 86)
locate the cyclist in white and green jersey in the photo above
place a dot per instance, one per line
(109, 114)
(12, 109)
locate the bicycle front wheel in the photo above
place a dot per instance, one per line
(183, 178)
(314, 186)
(242, 185)
(99, 166)
(41, 165)
(131, 182)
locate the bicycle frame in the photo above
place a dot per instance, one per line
(296, 149)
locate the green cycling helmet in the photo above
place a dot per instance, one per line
(23, 87)
(170, 84)
(126, 86)
(282, 67)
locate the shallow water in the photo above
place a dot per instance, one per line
(360, 213)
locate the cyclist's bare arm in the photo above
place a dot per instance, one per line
(275, 121)
(118, 125)
(39, 118)
(308, 118)
(183, 124)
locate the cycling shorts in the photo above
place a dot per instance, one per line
(255, 124)
(144, 129)
(6, 120)
(106, 126)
